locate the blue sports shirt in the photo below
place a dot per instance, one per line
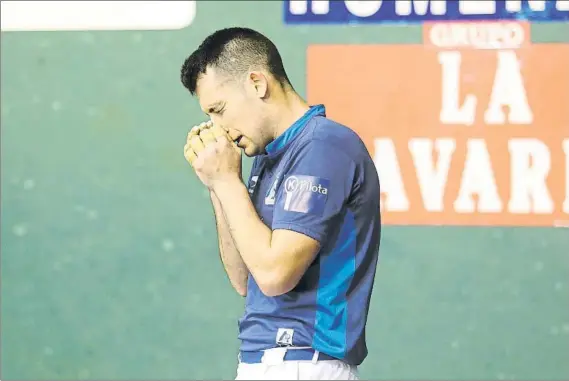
(318, 179)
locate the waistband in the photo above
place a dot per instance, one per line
(291, 354)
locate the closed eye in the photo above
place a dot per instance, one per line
(216, 110)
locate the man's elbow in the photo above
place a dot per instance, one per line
(275, 284)
(242, 291)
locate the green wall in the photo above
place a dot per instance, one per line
(109, 262)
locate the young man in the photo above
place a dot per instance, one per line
(301, 239)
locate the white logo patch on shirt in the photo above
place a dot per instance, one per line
(305, 194)
(253, 184)
(284, 336)
(272, 193)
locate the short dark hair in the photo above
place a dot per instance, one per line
(234, 51)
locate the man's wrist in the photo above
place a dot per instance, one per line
(229, 183)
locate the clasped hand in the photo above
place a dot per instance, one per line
(215, 158)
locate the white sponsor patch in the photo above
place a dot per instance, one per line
(284, 336)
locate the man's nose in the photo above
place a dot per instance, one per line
(217, 121)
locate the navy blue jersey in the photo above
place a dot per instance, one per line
(318, 179)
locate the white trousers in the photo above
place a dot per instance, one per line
(297, 370)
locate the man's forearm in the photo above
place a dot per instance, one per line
(251, 236)
(233, 263)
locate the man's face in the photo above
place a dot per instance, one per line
(234, 107)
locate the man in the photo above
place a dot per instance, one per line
(301, 240)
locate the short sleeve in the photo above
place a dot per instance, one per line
(315, 189)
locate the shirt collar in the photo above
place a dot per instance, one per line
(280, 142)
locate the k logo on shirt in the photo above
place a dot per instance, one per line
(305, 194)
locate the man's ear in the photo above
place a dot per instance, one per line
(259, 83)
